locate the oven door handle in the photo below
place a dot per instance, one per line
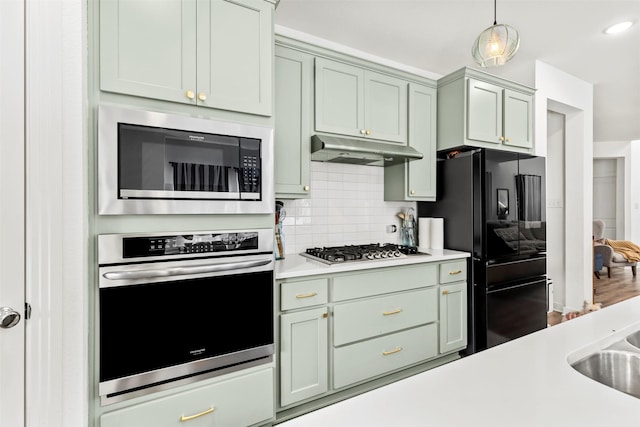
(183, 271)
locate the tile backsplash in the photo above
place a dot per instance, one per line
(346, 207)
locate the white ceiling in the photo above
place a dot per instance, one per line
(436, 36)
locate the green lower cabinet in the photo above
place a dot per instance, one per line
(304, 364)
(453, 317)
(215, 404)
(367, 359)
(345, 333)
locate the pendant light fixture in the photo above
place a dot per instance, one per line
(495, 45)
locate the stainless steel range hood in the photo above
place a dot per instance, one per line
(346, 150)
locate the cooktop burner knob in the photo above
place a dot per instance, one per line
(370, 255)
(397, 253)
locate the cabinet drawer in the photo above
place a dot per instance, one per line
(359, 320)
(303, 293)
(383, 281)
(453, 271)
(357, 362)
(239, 401)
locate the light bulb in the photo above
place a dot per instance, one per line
(618, 28)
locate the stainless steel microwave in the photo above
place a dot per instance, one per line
(157, 163)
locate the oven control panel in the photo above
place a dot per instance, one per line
(158, 246)
(169, 246)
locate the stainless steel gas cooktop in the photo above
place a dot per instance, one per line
(349, 253)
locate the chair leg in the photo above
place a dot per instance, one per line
(609, 272)
(633, 270)
(597, 273)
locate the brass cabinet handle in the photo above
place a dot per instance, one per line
(309, 295)
(445, 292)
(452, 273)
(191, 417)
(362, 131)
(502, 138)
(190, 94)
(388, 313)
(202, 96)
(412, 192)
(395, 350)
(306, 188)
(368, 132)
(508, 139)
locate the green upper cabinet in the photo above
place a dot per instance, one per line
(518, 119)
(211, 53)
(478, 109)
(292, 135)
(484, 113)
(416, 180)
(353, 101)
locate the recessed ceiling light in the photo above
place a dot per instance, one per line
(618, 28)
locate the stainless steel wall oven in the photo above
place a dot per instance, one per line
(178, 307)
(157, 163)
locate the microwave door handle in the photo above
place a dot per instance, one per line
(182, 271)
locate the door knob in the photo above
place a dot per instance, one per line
(8, 317)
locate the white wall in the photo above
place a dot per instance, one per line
(565, 94)
(555, 207)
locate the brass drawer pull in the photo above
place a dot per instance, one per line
(388, 313)
(309, 295)
(191, 417)
(395, 350)
(451, 273)
(445, 292)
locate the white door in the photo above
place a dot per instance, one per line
(12, 268)
(604, 194)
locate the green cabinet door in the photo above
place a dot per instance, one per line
(292, 134)
(148, 49)
(415, 180)
(385, 107)
(453, 317)
(518, 119)
(484, 112)
(303, 355)
(235, 51)
(212, 53)
(339, 98)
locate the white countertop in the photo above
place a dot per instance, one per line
(524, 382)
(295, 265)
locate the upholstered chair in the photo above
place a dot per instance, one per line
(610, 258)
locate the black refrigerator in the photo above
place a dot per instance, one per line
(493, 205)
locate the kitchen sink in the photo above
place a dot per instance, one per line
(634, 339)
(617, 369)
(614, 363)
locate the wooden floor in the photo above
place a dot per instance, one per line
(621, 286)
